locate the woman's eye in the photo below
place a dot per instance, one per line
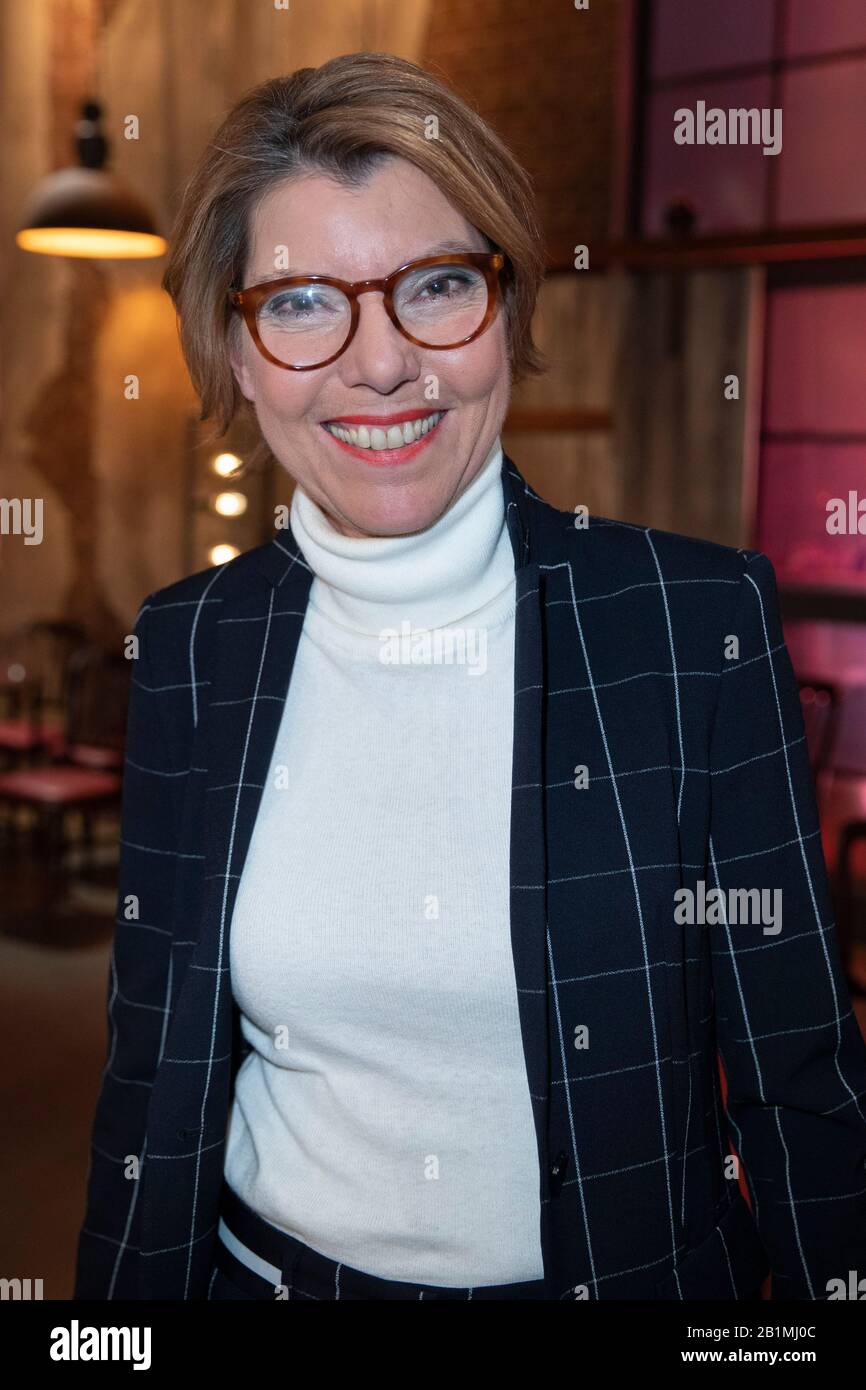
(303, 303)
(440, 286)
(290, 304)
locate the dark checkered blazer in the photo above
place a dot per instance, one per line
(696, 770)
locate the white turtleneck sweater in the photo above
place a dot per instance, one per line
(383, 1116)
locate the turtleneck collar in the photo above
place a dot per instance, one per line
(433, 578)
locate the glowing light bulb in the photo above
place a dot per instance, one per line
(221, 554)
(230, 503)
(226, 464)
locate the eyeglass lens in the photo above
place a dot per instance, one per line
(438, 304)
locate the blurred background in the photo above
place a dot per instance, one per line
(704, 313)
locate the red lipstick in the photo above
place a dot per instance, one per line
(383, 421)
(386, 458)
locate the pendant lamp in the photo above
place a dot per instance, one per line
(87, 211)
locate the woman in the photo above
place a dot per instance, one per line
(442, 809)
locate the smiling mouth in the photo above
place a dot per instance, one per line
(384, 440)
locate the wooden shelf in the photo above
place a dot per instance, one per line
(823, 602)
(730, 249)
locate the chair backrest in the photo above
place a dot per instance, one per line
(37, 656)
(98, 698)
(819, 701)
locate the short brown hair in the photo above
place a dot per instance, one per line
(342, 119)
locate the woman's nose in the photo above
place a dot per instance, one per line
(376, 332)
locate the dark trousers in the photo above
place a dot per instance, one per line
(290, 1269)
(287, 1268)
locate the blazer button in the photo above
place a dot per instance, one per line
(556, 1173)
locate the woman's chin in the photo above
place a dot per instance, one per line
(383, 511)
(363, 523)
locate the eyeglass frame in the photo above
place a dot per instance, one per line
(246, 302)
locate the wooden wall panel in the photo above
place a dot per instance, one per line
(576, 326)
(680, 442)
(568, 469)
(33, 578)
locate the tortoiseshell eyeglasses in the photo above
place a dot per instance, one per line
(305, 321)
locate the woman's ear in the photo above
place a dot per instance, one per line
(242, 373)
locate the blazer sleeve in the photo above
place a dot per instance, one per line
(791, 1048)
(139, 997)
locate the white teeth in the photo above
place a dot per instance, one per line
(395, 437)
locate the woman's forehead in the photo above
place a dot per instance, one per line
(313, 224)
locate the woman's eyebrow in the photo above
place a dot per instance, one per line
(436, 250)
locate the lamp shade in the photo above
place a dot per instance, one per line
(86, 210)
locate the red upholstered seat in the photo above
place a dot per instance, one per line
(58, 786)
(91, 755)
(21, 735)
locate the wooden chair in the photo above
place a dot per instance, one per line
(34, 684)
(86, 774)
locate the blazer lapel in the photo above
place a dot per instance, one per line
(528, 853)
